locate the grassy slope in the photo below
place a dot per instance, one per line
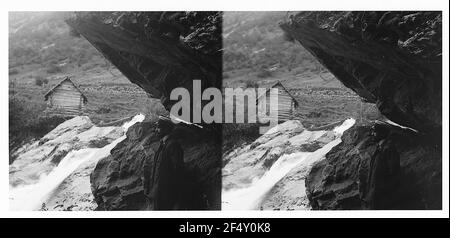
(41, 40)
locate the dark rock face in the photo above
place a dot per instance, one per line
(378, 166)
(158, 51)
(393, 59)
(117, 180)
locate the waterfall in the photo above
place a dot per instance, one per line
(31, 197)
(250, 197)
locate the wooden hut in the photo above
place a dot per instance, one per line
(65, 98)
(286, 102)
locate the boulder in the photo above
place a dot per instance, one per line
(117, 180)
(378, 166)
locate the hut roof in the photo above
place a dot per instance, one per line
(278, 83)
(59, 84)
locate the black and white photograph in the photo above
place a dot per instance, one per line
(226, 112)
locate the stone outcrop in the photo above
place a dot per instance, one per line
(117, 181)
(378, 166)
(158, 51)
(393, 59)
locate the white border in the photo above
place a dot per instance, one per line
(224, 5)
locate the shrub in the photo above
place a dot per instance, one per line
(251, 84)
(39, 81)
(26, 122)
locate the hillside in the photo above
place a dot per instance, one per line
(256, 49)
(43, 50)
(41, 43)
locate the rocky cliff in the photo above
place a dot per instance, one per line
(158, 51)
(117, 181)
(393, 59)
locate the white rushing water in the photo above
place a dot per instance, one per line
(30, 197)
(250, 197)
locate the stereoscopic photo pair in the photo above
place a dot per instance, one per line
(225, 110)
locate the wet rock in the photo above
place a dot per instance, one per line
(378, 166)
(117, 181)
(35, 162)
(310, 147)
(250, 162)
(58, 154)
(42, 156)
(74, 193)
(106, 138)
(271, 157)
(270, 173)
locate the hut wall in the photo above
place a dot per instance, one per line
(67, 98)
(285, 104)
